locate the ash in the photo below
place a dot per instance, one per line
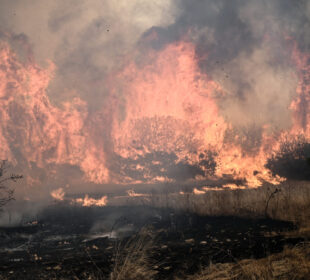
(71, 242)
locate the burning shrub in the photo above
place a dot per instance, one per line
(168, 166)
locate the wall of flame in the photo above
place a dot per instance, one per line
(162, 119)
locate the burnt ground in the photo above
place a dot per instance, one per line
(70, 242)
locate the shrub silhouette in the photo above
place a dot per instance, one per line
(6, 193)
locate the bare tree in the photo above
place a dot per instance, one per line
(6, 192)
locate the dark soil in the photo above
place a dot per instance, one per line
(74, 242)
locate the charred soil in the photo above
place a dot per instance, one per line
(68, 242)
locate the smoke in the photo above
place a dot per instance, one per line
(85, 39)
(244, 45)
(239, 43)
(150, 91)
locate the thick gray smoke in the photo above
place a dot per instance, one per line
(85, 39)
(243, 45)
(243, 40)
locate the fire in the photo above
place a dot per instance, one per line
(233, 187)
(162, 116)
(42, 132)
(171, 107)
(207, 189)
(247, 167)
(163, 100)
(301, 104)
(88, 201)
(132, 193)
(196, 191)
(58, 194)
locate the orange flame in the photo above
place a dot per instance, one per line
(163, 104)
(301, 104)
(88, 201)
(172, 97)
(132, 193)
(171, 106)
(197, 192)
(58, 194)
(42, 132)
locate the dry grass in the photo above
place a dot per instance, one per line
(293, 263)
(291, 203)
(132, 261)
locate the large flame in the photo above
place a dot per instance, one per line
(170, 106)
(159, 109)
(33, 130)
(301, 104)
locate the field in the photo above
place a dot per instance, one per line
(220, 234)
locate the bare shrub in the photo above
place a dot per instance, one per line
(6, 193)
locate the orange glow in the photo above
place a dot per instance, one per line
(43, 133)
(196, 191)
(301, 104)
(132, 193)
(233, 187)
(58, 194)
(207, 189)
(163, 104)
(170, 106)
(88, 201)
(173, 97)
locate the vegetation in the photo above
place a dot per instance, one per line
(289, 201)
(132, 261)
(6, 192)
(292, 263)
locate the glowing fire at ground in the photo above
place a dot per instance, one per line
(132, 193)
(196, 191)
(58, 194)
(88, 201)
